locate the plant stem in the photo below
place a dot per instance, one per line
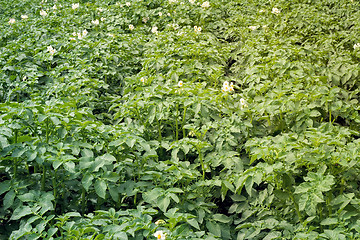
(15, 159)
(183, 122)
(201, 162)
(159, 129)
(54, 180)
(83, 201)
(43, 178)
(296, 206)
(176, 123)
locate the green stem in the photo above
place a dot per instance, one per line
(183, 122)
(47, 130)
(159, 129)
(201, 162)
(296, 206)
(43, 178)
(54, 182)
(83, 203)
(176, 123)
(15, 159)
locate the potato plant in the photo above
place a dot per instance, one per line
(179, 119)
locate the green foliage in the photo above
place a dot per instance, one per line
(199, 120)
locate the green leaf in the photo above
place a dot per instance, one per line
(175, 190)
(329, 221)
(120, 236)
(69, 166)
(214, 228)
(248, 185)
(193, 223)
(100, 188)
(8, 199)
(4, 186)
(163, 203)
(20, 212)
(27, 197)
(111, 176)
(114, 193)
(55, 120)
(56, 164)
(221, 218)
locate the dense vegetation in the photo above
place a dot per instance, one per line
(179, 119)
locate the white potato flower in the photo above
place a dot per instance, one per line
(192, 1)
(51, 50)
(95, 22)
(253, 28)
(180, 83)
(160, 235)
(43, 13)
(131, 27)
(154, 29)
(197, 29)
(75, 5)
(12, 21)
(145, 19)
(24, 17)
(357, 45)
(205, 4)
(128, 4)
(275, 11)
(85, 32)
(243, 103)
(227, 87)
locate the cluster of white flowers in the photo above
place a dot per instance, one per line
(172, 1)
(95, 22)
(75, 6)
(228, 87)
(192, 1)
(205, 4)
(12, 21)
(111, 35)
(197, 29)
(51, 50)
(180, 83)
(142, 79)
(160, 235)
(145, 19)
(160, 14)
(253, 27)
(24, 17)
(243, 103)
(356, 45)
(154, 29)
(102, 19)
(43, 13)
(131, 27)
(261, 10)
(128, 4)
(275, 11)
